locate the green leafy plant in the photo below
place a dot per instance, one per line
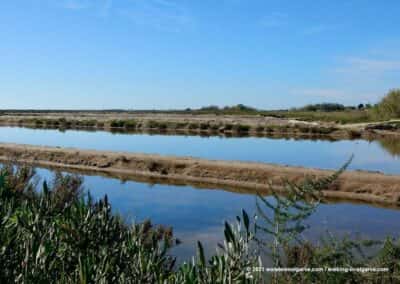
(58, 234)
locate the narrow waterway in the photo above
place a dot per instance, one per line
(373, 156)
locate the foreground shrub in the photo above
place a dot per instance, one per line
(56, 235)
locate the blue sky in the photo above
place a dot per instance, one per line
(174, 54)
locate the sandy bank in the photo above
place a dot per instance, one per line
(352, 185)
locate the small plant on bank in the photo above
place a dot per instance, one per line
(228, 126)
(241, 128)
(215, 127)
(117, 123)
(204, 126)
(260, 128)
(193, 126)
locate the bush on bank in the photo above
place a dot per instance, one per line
(389, 106)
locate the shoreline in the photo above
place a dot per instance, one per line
(207, 125)
(359, 186)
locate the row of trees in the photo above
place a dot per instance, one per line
(235, 108)
(388, 107)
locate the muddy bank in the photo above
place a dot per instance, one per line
(354, 185)
(233, 125)
(123, 177)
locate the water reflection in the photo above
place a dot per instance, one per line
(391, 144)
(198, 214)
(369, 155)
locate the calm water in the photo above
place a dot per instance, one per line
(373, 156)
(199, 214)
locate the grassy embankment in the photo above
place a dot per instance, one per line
(194, 127)
(213, 128)
(56, 235)
(333, 114)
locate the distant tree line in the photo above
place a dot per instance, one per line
(235, 108)
(320, 107)
(328, 107)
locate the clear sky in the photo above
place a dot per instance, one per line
(173, 54)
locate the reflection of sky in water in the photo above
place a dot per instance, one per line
(199, 214)
(321, 154)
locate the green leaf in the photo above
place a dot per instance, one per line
(200, 253)
(228, 233)
(246, 220)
